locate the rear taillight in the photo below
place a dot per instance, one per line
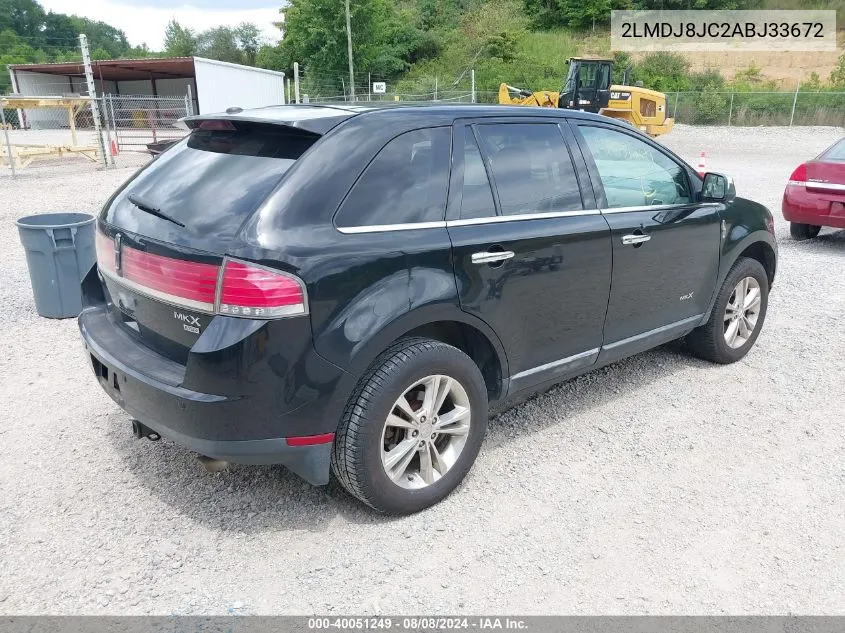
(258, 292)
(799, 176)
(106, 257)
(241, 289)
(190, 284)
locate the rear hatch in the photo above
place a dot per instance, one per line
(162, 238)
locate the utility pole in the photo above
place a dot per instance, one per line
(296, 81)
(92, 92)
(794, 103)
(472, 77)
(349, 52)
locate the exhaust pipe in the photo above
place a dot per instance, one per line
(139, 431)
(212, 465)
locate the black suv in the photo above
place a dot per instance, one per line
(350, 288)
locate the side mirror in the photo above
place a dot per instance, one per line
(718, 188)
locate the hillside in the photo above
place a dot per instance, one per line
(535, 59)
(433, 44)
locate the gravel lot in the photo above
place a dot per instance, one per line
(658, 485)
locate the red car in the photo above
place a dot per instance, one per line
(815, 194)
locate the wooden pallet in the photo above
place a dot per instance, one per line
(23, 155)
(72, 105)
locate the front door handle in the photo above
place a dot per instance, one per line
(491, 257)
(635, 238)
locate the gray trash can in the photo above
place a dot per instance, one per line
(59, 253)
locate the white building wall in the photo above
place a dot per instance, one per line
(32, 84)
(221, 85)
(173, 87)
(135, 87)
(42, 85)
(216, 86)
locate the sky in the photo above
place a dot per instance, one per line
(144, 21)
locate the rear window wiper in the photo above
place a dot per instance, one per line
(149, 208)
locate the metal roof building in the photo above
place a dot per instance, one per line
(211, 85)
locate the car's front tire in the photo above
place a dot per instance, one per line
(737, 317)
(413, 427)
(800, 231)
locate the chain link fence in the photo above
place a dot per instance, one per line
(693, 108)
(758, 108)
(138, 121)
(59, 131)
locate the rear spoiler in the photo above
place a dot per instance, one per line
(314, 119)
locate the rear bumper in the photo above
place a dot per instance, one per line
(808, 207)
(149, 387)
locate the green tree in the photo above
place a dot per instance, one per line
(385, 39)
(837, 76)
(678, 5)
(440, 14)
(502, 46)
(101, 36)
(178, 40)
(710, 78)
(24, 17)
(711, 105)
(140, 52)
(219, 43)
(582, 14)
(14, 50)
(271, 57)
(59, 32)
(579, 14)
(666, 72)
(248, 39)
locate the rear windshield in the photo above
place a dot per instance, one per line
(212, 180)
(837, 152)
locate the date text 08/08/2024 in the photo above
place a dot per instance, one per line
(417, 623)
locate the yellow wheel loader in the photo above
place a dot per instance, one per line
(588, 88)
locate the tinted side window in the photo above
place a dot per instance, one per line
(406, 182)
(476, 198)
(633, 173)
(532, 169)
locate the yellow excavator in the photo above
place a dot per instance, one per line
(588, 88)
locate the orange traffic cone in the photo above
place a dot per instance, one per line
(113, 148)
(702, 163)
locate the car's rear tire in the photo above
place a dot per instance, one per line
(800, 231)
(397, 449)
(737, 317)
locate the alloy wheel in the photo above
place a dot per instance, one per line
(425, 431)
(742, 312)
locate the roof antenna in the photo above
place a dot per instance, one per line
(234, 110)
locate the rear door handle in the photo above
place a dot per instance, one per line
(635, 238)
(491, 257)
